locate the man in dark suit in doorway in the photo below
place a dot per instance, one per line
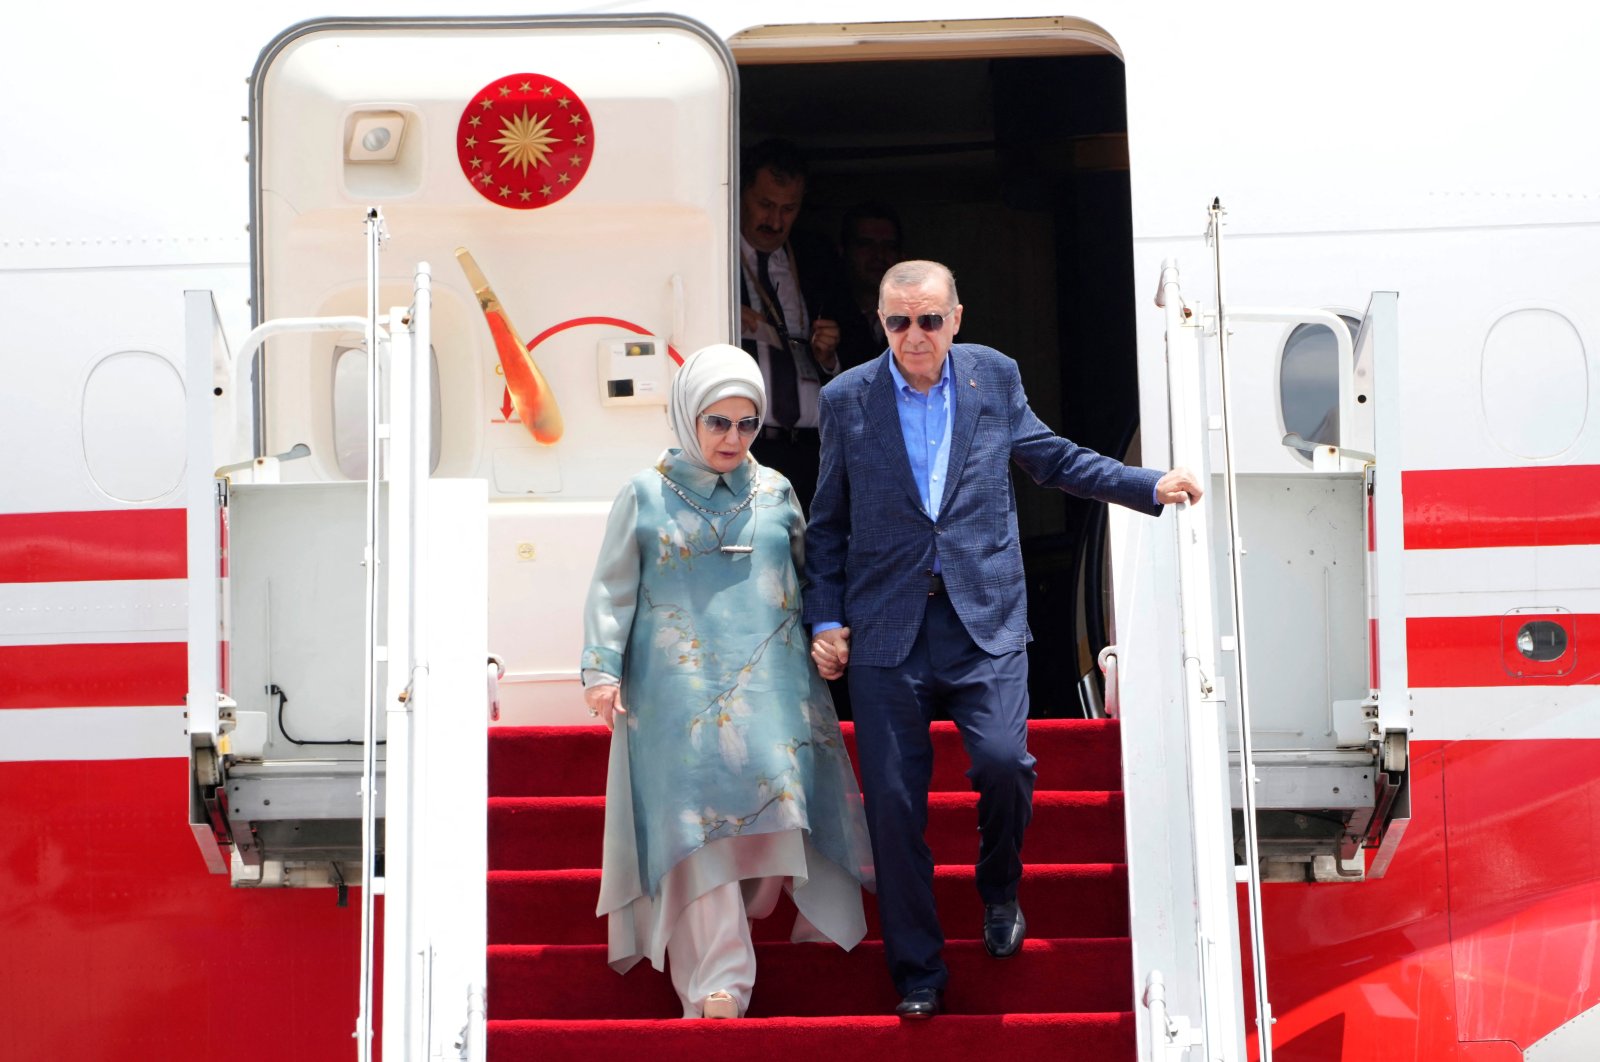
(793, 301)
(915, 582)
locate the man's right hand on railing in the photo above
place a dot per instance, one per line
(1179, 485)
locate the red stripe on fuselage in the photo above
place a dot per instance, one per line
(137, 674)
(1467, 508)
(99, 545)
(1451, 651)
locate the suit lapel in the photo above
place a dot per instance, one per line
(883, 415)
(964, 424)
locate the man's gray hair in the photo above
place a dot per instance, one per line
(914, 274)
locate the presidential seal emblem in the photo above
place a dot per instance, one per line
(525, 141)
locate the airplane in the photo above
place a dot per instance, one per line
(1337, 260)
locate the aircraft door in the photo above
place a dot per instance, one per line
(572, 182)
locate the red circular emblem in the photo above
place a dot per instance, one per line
(525, 141)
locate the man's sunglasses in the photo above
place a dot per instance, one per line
(717, 424)
(928, 322)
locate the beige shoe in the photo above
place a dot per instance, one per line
(720, 1005)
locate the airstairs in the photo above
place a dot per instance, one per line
(361, 762)
(1068, 995)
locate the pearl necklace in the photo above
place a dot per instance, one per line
(739, 507)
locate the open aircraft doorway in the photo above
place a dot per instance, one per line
(1000, 146)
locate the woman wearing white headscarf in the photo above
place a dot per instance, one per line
(729, 783)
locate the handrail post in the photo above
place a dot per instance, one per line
(374, 652)
(1203, 697)
(1247, 765)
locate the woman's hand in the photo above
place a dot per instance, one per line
(605, 702)
(831, 652)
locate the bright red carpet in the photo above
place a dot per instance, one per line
(1067, 996)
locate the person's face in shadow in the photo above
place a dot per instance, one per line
(767, 209)
(872, 248)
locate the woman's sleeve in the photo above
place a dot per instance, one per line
(614, 591)
(797, 536)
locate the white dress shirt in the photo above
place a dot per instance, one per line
(794, 318)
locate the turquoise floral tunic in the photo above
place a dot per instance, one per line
(729, 763)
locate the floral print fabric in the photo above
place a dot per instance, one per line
(730, 730)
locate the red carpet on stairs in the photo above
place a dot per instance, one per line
(1067, 996)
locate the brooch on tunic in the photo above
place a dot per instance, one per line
(739, 507)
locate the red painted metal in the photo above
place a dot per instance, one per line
(95, 545)
(1456, 651)
(1482, 938)
(1362, 971)
(1524, 884)
(137, 674)
(121, 947)
(1460, 508)
(1488, 1051)
(1374, 671)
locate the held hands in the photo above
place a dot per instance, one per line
(831, 651)
(605, 702)
(1179, 485)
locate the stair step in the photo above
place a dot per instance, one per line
(1061, 900)
(560, 833)
(1073, 754)
(549, 981)
(1064, 1037)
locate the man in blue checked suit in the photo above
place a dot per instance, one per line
(916, 592)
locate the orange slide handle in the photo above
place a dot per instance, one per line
(530, 393)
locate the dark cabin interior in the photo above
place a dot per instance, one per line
(1014, 172)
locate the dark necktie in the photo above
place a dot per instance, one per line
(785, 387)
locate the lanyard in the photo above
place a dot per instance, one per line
(771, 310)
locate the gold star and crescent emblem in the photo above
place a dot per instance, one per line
(514, 147)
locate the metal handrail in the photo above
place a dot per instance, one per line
(1247, 770)
(1215, 899)
(239, 429)
(374, 653)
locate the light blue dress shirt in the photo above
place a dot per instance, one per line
(925, 425)
(925, 421)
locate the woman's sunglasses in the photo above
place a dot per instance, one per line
(717, 424)
(928, 322)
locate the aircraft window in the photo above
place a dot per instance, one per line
(1308, 382)
(350, 410)
(133, 426)
(1535, 380)
(1542, 640)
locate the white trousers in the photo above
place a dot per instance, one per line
(710, 949)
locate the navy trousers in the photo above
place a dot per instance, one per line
(987, 697)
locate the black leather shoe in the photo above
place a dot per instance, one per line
(1003, 928)
(920, 1003)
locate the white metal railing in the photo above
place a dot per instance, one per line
(1205, 738)
(1251, 872)
(205, 346)
(1173, 982)
(427, 559)
(437, 703)
(375, 653)
(233, 378)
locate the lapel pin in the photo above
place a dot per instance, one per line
(972, 383)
